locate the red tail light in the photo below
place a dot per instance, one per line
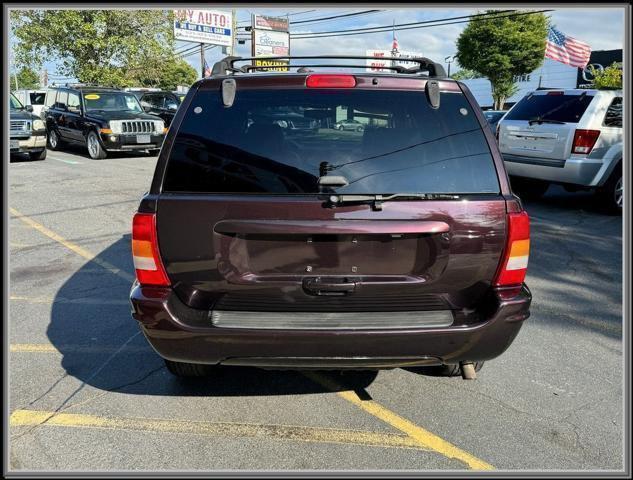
(584, 140)
(147, 263)
(330, 81)
(557, 92)
(515, 258)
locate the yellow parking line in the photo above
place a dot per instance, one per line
(80, 301)
(49, 348)
(72, 246)
(422, 437)
(279, 432)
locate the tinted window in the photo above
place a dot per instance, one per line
(171, 103)
(153, 100)
(562, 108)
(62, 97)
(111, 102)
(613, 117)
(50, 98)
(37, 98)
(281, 142)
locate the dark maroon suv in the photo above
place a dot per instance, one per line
(398, 244)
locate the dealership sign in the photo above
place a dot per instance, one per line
(204, 26)
(377, 63)
(270, 38)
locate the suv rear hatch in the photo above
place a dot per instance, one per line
(542, 125)
(244, 224)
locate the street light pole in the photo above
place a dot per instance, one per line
(450, 59)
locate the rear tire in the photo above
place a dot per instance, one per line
(38, 155)
(95, 150)
(610, 194)
(451, 370)
(188, 370)
(528, 188)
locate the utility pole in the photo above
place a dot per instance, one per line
(202, 59)
(233, 31)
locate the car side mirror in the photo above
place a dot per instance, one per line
(29, 108)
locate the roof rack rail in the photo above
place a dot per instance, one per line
(88, 85)
(227, 64)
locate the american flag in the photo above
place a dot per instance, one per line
(567, 49)
(207, 70)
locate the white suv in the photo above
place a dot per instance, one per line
(570, 137)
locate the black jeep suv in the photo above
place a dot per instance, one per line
(157, 102)
(103, 119)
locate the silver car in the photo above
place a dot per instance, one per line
(569, 137)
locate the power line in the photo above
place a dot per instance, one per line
(404, 24)
(315, 20)
(389, 28)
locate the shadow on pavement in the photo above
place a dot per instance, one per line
(90, 333)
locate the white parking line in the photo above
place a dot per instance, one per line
(71, 162)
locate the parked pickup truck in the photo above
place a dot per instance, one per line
(27, 132)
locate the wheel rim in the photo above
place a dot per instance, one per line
(618, 193)
(53, 139)
(93, 148)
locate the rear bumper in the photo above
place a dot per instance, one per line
(577, 171)
(180, 333)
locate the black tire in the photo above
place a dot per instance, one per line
(451, 370)
(181, 369)
(53, 140)
(154, 152)
(528, 188)
(38, 155)
(95, 149)
(610, 194)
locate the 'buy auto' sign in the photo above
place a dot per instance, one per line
(204, 26)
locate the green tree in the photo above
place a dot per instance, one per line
(163, 72)
(465, 74)
(27, 78)
(94, 46)
(501, 48)
(610, 77)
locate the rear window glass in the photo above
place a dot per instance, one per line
(37, 98)
(613, 117)
(562, 108)
(280, 142)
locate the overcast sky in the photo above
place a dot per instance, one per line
(602, 28)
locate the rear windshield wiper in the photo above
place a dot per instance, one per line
(377, 200)
(544, 120)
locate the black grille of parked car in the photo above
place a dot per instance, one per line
(137, 126)
(19, 126)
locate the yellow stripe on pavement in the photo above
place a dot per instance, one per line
(80, 301)
(422, 437)
(71, 246)
(49, 348)
(279, 432)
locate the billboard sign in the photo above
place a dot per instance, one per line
(204, 26)
(279, 24)
(375, 64)
(270, 38)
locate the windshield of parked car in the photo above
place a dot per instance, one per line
(281, 142)
(15, 103)
(551, 106)
(111, 102)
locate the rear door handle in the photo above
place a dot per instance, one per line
(323, 286)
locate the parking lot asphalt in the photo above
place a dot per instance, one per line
(87, 392)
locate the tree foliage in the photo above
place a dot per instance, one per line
(109, 47)
(27, 78)
(466, 74)
(610, 77)
(503, 47)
